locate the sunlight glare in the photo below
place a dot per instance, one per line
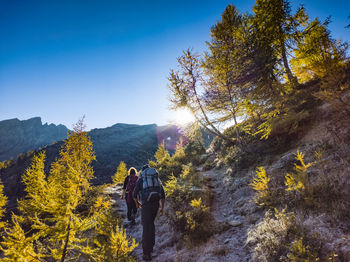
(183, 116)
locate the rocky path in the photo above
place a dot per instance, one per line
(227, 244)
(164, 249)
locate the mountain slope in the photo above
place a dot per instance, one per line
(18, 136)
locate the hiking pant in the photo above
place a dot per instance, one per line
(132, 210)
(148, 215)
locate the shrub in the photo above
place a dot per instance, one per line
(260, 185)
(189, 212)
(298, 181)
(110, 240)
(271, 236)
(199, 221)
(299, 252)
(121, 173)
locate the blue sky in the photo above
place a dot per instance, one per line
(108, 60)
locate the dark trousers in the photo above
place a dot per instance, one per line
(148, 215)
(132, 210)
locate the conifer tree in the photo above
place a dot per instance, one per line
(162, 154)
(279, 29)
(16, 246)
(227, 67)
(184, 86)
(317, 53)
(120, 174)
(179, 154)
(36, 188)
(51, 205)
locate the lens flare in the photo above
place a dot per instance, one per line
(183, 116)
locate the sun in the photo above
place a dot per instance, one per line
(183, 116)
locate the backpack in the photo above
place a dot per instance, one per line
(151, 185)
(130, 188)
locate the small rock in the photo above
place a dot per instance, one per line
(235, 223)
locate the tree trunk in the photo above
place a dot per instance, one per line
(215, 130)
(240, 144)
(291, 77)
(234, 109)
(64, 253)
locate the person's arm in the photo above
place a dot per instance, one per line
(136, 193)
(162, 204)
(124, 187)
(162, 200)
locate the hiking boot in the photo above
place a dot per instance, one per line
(147, 257)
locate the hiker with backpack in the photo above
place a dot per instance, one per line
(128, 189)
(150, 191)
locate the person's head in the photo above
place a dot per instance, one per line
(144, 167)
(132, 171)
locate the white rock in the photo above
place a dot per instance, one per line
(235, 223)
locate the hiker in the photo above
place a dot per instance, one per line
(128, 188)
(151, 190)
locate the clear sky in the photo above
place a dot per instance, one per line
(108, 60)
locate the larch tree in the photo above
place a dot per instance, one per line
(186, 86)
(226, 66)
(51, 206)
(120, 174)
(279, 29)
(317, 53)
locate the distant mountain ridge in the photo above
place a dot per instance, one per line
(19, 136)
(133, 144)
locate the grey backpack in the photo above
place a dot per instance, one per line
(150, 185)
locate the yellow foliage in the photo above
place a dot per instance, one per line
(197, 220)
(16, 246)
(3, 201)
(179, 154)
(298, 181)
(301, 253)
(196, 203)
(162, 154)
(36, 187)
(121, 244)
(112, 243)
(121, 173)
(260, 184)
(171, 186)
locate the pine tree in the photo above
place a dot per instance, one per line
(121, 173)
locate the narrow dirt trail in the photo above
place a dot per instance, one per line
(164, 234)
(232, 240)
